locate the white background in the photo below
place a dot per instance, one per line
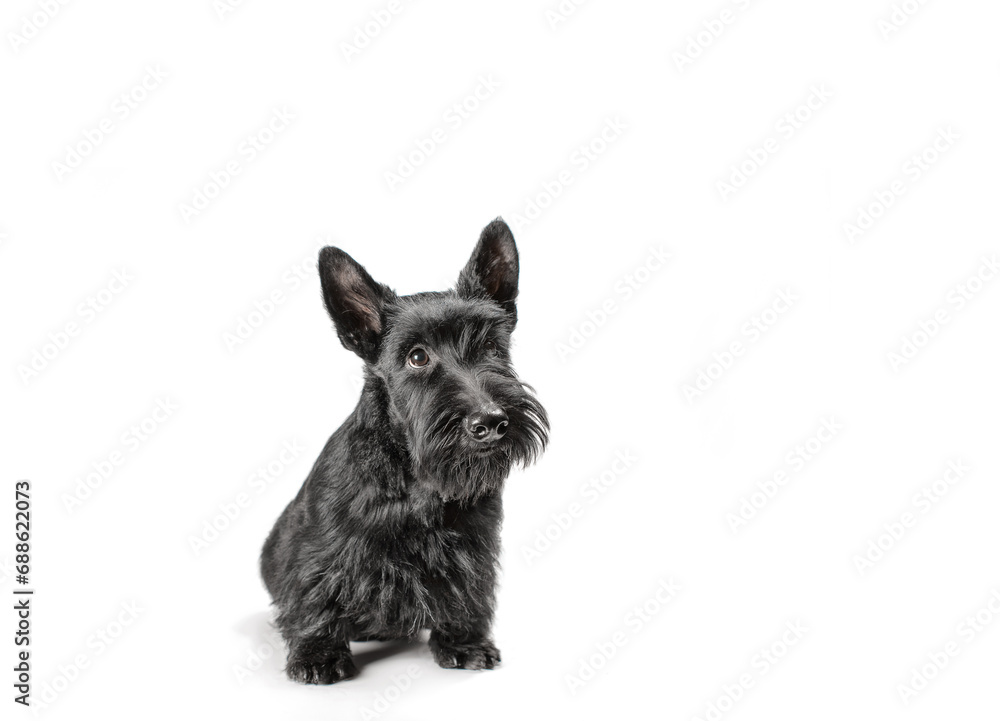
(202, 615)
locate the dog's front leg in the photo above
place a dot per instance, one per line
(466, 648)
(320, 659)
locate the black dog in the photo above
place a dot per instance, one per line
(397, 527)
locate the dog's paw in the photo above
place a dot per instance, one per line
(471, 656)
(324, 672)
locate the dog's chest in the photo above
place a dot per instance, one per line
(429, 569)
(448, 549)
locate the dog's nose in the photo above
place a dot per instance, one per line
(486, 425)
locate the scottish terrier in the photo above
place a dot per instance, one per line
(397, 527)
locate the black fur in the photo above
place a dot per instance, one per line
(397, 527)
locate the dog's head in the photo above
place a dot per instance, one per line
(443, 359)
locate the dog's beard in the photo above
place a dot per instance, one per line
(459, 468)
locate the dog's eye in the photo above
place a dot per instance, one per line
(418, 358)
(490, 347)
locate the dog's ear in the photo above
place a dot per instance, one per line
(355, 302)
(492, 270)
